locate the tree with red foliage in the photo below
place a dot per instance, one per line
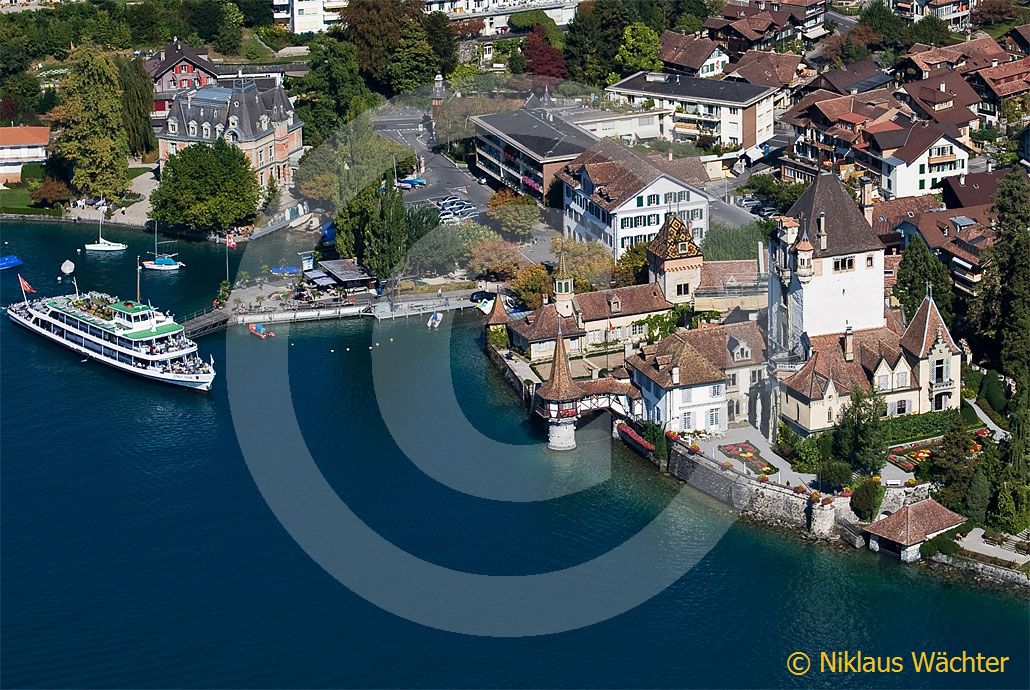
(52, 192)
(542, 58)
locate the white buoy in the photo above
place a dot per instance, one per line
(331, 350)
(377, 344)
(391, 340)
(348, 349)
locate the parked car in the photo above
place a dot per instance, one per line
(767, 211)
(446, 215)
(470, 214)
(403, 185)
(416, 181)
(449, 199)
(748, 200)
(451, 204)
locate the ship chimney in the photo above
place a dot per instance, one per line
(849, 345)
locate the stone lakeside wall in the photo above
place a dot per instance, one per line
(509, 374)
(987, 570)
(762, 500)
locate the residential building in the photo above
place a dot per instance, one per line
(972, 189)
(740, 28)
(827, 125)
(303, 16)
(910, 160)
(785, 72)
(21, 145)
(858, 77)
(811, 13)
(953, 12)
(824, 255)
(631, 127)
(945, 99)
(676, 263)
(923, 61)
(723, 112)
(179, 67)
(261, 123)
(887, 215)
(738, 351)
(1017, 40)
(523, 149)
(692, 56)
(903, 532)
(589, 321)
(1000, 85)
(614, 195)
(958, 237)
(682, 391)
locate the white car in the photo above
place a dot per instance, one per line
(449, 199)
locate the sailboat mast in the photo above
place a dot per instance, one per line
(139, 269)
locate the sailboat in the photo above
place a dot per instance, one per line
(102, 245)
(162, 262)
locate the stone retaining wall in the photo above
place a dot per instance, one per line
(762, 500)
(993, 572)
(517, 384)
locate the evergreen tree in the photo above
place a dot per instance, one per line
(639, 50)
(230, 30)
(978, 497)
(1005, 515)
(952, 468)
(1019, 424)
(860, 437)
(137, 101)
(332, 92)
(206, 187)
(386, 239)
(919, 267)
(375, 28)
(593, 39)
(984, 312)
(93, 143)
(443, 40)
(413, 63)
(1012, 202)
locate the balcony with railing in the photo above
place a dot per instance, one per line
(944, 158)
(942, 384)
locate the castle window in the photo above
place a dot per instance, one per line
(207, 130)
(682, 248)
(843, 263)
(829, 415)
(881, 382)
(683, 290)
(902, 407)
(173, 127)
(869, 261)
(193, 129)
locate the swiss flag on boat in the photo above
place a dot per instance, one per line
(24, 284)
(230, 243)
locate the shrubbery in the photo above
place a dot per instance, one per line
(866, 500)
(913, 427)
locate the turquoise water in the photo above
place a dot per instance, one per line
(137, 550)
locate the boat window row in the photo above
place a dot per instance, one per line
(94, 331)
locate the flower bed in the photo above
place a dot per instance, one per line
(749, 455)
(630, 436)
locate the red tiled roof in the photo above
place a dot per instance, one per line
(718, 275)
(1009, 79)
(913, 523)
(24, 136)
(657, 361)
(718, 343)
(925, 330)
(766, 68)
(498, 316)
(685, 51)
(888, 214)
(560, 387)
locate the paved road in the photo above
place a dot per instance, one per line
(844, 22)
(443, 176)
(730, 215)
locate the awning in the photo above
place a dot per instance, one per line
(817, 32)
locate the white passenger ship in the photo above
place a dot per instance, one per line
(130, 336)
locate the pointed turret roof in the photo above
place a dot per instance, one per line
(560, 387)
(498, 316)
(666, 243)
(804, 245)
(847, 230)
(563, 270)
(925, 329)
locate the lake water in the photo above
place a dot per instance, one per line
(138, 551)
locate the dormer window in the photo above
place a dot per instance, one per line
(616, 305)
(193, 129)
(173, 127)
(233, 122)
(741, 353)
(207, 130)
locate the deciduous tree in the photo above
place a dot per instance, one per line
(516, 214)
(989, 12)
(590, 263)
(375, 28)
(631, 268)
(543, 59)
(495, 258)
(531, 284)
(639, 50)
(52, 192)
(206, 187)
(137, 101)
(92, 142)
(1012, 203)
(230, 30)
(333, 91)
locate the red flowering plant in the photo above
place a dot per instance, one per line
(749, 455)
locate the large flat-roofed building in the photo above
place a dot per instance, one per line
(725, 112)
(523, 149)
(261, 123)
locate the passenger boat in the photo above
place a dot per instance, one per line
(260, 331)
(9, 261)
(126, 335)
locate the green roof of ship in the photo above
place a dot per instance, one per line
(142, 333)
(128, 307)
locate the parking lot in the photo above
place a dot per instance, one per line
(455, 208)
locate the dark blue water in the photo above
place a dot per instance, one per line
(138, 552)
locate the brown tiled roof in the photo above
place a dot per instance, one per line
(685, 51)
(718, 343)
(689, 169)
(173, 53)
(939, 229)
(560, 387)
(927, 92)
(1008, 80)
(910, 143)
(1022, 33)
(926, 329)
(718, 275)
(666, 243)
(891, 262)
(974, 189)
(972, 55)
(656, 363)
(823, 108)
(618, 172)
(609, 386)
(632, 299)
(766, 68)
(541, 325)
(847, 231)
(24, 136)
(844, 79)
(888, 214)
(827, 362)
(913, 523)
(498, 316)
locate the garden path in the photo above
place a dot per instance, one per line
(999, 433)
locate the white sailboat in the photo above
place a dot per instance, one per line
(102, 245)
(162, 262)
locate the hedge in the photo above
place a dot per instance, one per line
(30, 211)
(969, 416)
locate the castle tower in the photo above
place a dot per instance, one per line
(563, 288)
(497, 324)
(559, 401)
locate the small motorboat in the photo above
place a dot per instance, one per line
(9, 261)
(434, 320)
(260, 331)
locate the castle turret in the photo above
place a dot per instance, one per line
(804, 251)
(563, 288)
(559, 401)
